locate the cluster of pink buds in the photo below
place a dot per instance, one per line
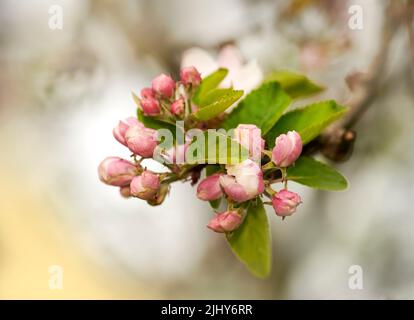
(287, 149)
(131, 178)
(237, 183)
(205, 132)
(133, 134)
(245, 181)
(165, 99)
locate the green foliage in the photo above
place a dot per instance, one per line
(315, 174)
(295, 84)
(219, 105)
(309, 121)
(213, 95)
(208, 84)
(262, 107)
(214, 147)
(251, 241)
(212, 169)
(154, 123)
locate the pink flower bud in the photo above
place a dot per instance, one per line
(285, 202)
(177, 107)
(177, 154)
(116, 171)
(123, 126)
(190, 76)
(141, 140)
(249, 136)
(125, 191)
(163, 85)
(145, 186)
(209, 188)
(150, 106)
(244, 181)
(147, 93)
(287, 149)
(225, 222)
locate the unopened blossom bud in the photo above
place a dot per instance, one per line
(125, 191)
(177, 107)
(163, 85)
(225, 222)
(285, 202)
(147, 93)
(287, 149)
(141, 140)
(249, 136)
(116, 171)
(122, 127)
(150, 106)
(209, 188)
(244, 181)
(177, 154)
(145, 186)
(190, 76)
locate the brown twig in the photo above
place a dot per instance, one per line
(409, 22)
(336, 143)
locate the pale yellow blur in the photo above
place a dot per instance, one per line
(32, 239)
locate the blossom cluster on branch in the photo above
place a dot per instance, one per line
(245, 154)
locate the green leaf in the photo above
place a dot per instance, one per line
(295, 84)
(210, 170)
(262, 107)
(251, 241)
(316, 174)
(218, 106)
(154, 123)
(214, 147)
(215, 204)
(208, 84)
(213, 96)
(151, 122)
(309, 121)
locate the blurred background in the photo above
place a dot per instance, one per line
(63, 90)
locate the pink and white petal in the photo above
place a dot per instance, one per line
(200, 59)
(248, 77)
(230, 57)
